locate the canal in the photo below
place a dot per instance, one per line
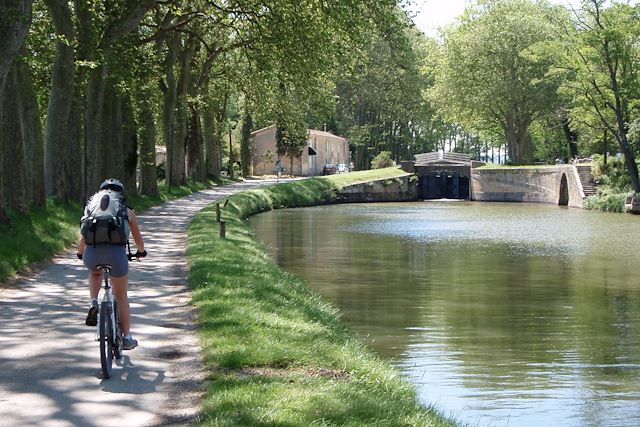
(501, 314)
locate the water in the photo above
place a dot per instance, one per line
(502, 314)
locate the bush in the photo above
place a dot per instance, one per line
(606, 202)
(614, 175)
(382, 160)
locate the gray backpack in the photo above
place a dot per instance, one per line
(106, 219)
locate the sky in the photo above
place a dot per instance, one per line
(432, 14)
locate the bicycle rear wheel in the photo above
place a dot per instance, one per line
(106, 340)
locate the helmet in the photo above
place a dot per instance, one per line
(112, 184)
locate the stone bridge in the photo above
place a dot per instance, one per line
(558, 184)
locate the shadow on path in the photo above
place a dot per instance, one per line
(49, 361)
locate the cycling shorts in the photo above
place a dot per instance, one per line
(114, 255)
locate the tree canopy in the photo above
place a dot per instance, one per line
(90, 89)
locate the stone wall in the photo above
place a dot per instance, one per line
(541, 184)
(399, 189)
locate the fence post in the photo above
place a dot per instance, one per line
(223, 230)
(217, 212)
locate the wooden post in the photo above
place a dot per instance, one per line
(217, 212)
(223, 230)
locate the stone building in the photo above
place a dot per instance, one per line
(322, 148)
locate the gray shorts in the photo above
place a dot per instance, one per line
(114, 255)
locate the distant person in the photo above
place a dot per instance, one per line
(105, 229)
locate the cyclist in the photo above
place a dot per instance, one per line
(116, 256)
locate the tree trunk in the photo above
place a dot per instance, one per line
(211, 143)
(195, 152)
(15, 19)
(96, 44)
(117, 124)
(32, 136)
(177, 165)
(245, 144)
(109, 147)
(148, 169)
(170, 101)
(93, 129)
(130, 146)
(15, 182)
(571, 136)
(519, 141)
(60, 101)
(73, 147)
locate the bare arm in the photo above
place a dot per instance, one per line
(81, 245)
(135, 231)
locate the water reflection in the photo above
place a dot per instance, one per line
(503, 314)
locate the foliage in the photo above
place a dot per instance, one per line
(291, 127)
(380, 102)
(362, 69)
(382, 160)
(614, 175)
(599, 56)
(605, 202)
(492, 75)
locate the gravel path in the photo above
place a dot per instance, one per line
(49, 362)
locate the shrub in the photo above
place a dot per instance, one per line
(382, 160)
(614, 175)
(613, 202)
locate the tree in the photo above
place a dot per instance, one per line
(56, 165)
(98, 43)
(291, 127)
(491, 76)
(601, 58)
(15, 19)
(246, 149)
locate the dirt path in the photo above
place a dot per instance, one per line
(49, 362)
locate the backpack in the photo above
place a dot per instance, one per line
(106, 219)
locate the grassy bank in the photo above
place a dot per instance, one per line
(43, 232)
(277, 353)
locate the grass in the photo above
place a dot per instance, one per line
(41, 233)
(277, 353)
(37, 236)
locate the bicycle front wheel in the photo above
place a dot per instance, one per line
(106, 340)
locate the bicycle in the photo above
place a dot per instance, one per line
(109, 332)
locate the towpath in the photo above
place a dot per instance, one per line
(49, 362)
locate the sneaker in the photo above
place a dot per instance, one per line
(129, 343)
(92, 315)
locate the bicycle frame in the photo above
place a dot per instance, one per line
(108, 328)
(107, 296)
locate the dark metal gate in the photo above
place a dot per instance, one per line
(444, 185)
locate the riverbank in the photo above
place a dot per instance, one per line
(276, 352)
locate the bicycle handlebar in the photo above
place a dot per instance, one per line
(137, 255)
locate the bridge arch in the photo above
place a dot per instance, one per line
(563, 193)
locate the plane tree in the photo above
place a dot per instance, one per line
(599, 55)
(491, 76)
